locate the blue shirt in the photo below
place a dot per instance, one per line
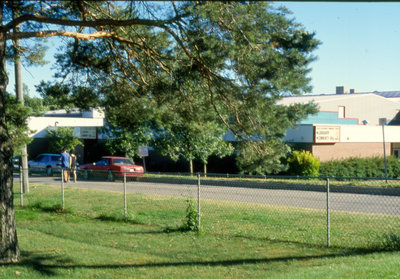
(65, 160)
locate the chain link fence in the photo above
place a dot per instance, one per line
(336, 212)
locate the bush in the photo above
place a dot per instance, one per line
(361, 167)
(303, 163)
(191, 220)
(390, 242)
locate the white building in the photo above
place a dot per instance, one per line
(85, 124)
(347, 125)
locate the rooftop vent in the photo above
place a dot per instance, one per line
(342, 90)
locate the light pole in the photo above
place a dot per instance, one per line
(382, 122)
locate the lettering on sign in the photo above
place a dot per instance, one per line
(143, 151)
(88, 133)
(326, 134)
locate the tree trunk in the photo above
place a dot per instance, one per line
(191, 166)
(9, 251)
(20, 97)
(205, 170)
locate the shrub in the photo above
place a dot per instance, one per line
(191, 218)
(391, 242)
(303, 163)
(361, 167)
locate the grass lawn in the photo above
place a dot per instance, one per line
(87, 240)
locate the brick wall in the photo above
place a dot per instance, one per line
(326, 152)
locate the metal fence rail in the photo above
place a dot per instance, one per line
(342, 212)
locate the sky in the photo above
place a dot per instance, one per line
(360, 46)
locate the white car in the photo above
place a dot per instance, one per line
(45, 163)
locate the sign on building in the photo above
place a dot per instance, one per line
(326, 134)
(88, 133)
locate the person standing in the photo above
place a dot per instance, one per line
(72, 163)
(65, 164)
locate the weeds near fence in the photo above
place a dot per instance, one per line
(191, 220)
(390, 242)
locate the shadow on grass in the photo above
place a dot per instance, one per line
(55, 208)
(46, 264)
(41, 263)
(129, 220)
(388, 243)
(118, 218)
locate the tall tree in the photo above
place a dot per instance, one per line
(192, 140)
(80, 20)
(244, 55)
(60, 138)
(239, 57)
(127, 142)
(16, 115)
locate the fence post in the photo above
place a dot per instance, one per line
(125, 213)
(328, 228)
(198, 200)
(62, 187)
(21, 185)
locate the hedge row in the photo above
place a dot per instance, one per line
(361, 167)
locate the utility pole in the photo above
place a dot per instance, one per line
(20, 97)
(382, 122)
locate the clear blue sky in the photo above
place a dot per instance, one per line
(360, 46)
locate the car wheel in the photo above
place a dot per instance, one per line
(85, 175)
(49, 171)
(110, 176)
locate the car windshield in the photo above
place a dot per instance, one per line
(103, 162)
(39, 158)
(122, 161)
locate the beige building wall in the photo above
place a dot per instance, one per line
(369, 107)
(337, 151)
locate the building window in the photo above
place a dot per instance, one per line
(341, 112)
(396, 153)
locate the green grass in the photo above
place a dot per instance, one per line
(287, 180)
(90, 238)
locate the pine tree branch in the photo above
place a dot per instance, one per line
(63, 33)
(92, 23)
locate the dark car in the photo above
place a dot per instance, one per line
(111, 167)
(16, 162)
(47, 163)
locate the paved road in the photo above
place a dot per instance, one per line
(377, 204)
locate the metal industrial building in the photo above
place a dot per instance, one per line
(348, 125)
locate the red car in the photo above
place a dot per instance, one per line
(111, 167)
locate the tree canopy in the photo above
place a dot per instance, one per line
(162, 61)
(234, 59)
(60, 138)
